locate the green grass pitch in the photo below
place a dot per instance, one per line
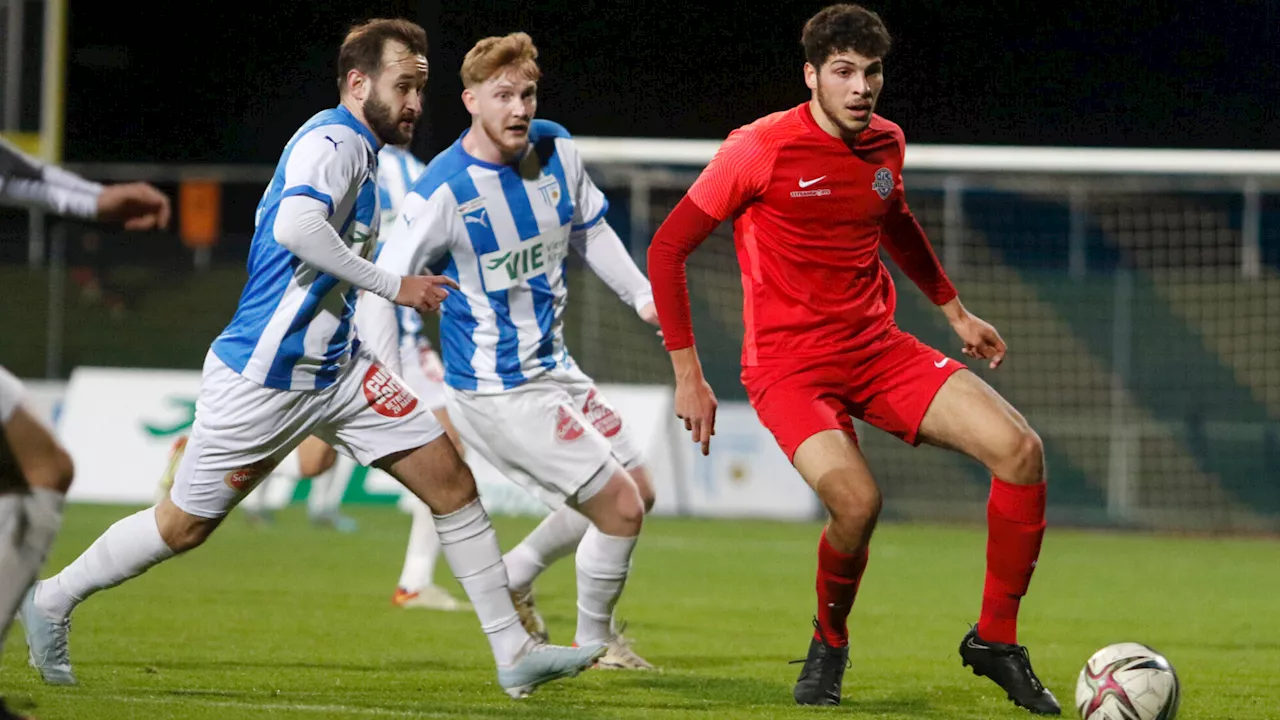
(293, 622)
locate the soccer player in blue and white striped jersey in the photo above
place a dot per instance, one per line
(289, 365)
(498, 211)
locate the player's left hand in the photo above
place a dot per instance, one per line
(649, 314)
(140, 206)
(980, 339)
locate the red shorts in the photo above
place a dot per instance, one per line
(889, 385)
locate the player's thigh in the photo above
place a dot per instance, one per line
(434, 473)
(831, 462)
(969, 416)
(604, 417)
(537, 432)
(241, 433)
(29, 454)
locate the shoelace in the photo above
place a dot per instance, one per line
(61, 650)
(1021, 651)
(848, 662)
(1026, 657)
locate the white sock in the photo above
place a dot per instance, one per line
(127, 549)
(603, 564)
(278, 491)
(29, 524)
(424, 548)
(556, 536)
(339, 478)
(323, 500)
(471, 548)
(12, 569)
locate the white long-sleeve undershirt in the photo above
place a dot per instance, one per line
(302, 227)
(608, 258)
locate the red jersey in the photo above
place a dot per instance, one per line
(809, 216)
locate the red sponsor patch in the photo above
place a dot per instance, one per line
(601, 415)
(385, 394)
(246, 478)
(568, 428)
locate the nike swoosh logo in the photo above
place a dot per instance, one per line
(806, 183)
(976, 646)
(941, 362)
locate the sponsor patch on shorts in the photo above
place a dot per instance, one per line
(246, 478)
(603, 417)
(385, 394)
(568, 428)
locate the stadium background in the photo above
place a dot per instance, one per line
(1139, 292)
(1141, 307)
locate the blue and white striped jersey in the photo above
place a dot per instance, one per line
(502, 232)
(293, 329)
(398, 169)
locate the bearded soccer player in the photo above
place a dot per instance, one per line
(814, 192)
(289, 364)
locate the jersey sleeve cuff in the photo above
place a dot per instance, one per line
(604, 208)
(308, 191)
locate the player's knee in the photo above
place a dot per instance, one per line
(317, 460)
(855, 510)
(612, 502)
(180, 531)
(644, 485)
(1023, 461)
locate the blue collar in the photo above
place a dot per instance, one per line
(360, 127)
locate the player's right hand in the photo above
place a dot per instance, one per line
(138, 205)
(696, 405)
(424, 293)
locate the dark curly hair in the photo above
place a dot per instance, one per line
(841, 28)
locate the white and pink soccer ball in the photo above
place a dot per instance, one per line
(1127, 681)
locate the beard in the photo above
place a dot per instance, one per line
(386, 128)
(838, 114)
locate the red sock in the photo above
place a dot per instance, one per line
(838, 577)
(1015, 528)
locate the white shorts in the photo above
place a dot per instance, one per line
(11, 395)
(429, 391)
(243, 430)
(550, 435)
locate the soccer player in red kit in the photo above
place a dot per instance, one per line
(814, 192)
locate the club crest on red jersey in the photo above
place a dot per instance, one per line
(568, 428)
(883, 184)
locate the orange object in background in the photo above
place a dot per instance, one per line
(199, 212)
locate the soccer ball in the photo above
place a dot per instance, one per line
(1127, 681)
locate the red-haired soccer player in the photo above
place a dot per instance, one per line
(814, 192)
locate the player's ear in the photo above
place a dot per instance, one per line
(469, 100)
(810, 76)
(357, 84)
